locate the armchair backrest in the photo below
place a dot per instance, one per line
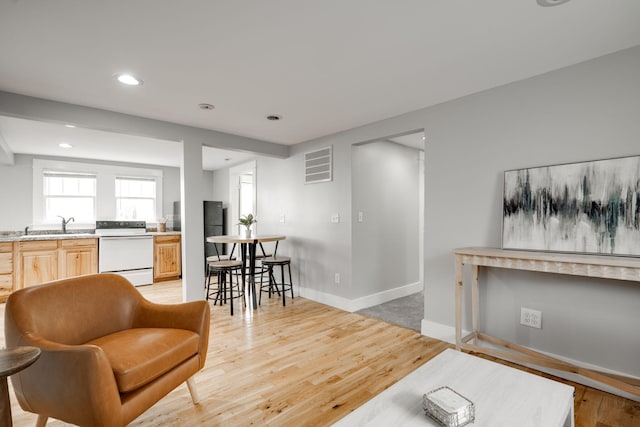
(71, 311)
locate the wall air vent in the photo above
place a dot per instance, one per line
(317, 165)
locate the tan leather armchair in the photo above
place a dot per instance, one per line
(108, 354)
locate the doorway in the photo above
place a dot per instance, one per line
(242, 194)
(388, 211)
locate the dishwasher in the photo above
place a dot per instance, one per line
(125, 248)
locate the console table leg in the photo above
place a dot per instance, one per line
(475, 304)
(458, 269)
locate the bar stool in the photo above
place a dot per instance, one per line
(214, 258)
(223, 269)
(272, 285)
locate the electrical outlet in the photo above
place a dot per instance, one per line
(530, 317)
(335, 218)
(360, 216)
(282, 218)
(336, 278)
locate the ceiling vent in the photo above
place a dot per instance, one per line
(317, 165)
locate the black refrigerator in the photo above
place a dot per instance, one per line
(213, 226)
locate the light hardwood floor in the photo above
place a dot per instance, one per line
(308, 364)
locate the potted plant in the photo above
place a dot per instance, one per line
(247, 221)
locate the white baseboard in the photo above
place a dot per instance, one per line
(439, 331)
(448, 333)
(352, 305)
(324, 298)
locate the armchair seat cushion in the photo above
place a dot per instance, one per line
(140, 355)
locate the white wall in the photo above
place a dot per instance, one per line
(17, 186)
(15, 192)
(584, 112)
(385, 244)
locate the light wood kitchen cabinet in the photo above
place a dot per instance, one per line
(45, 260)
(167, 257)
(38, 262)
(6, 270)
(78, 257)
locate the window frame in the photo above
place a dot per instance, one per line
(51, 174)
(135, 178)
(106, 174)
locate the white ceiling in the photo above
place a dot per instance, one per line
(325, 66)
(40, 138)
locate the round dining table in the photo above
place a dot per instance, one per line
(248, 248)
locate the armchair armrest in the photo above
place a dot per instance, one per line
(69, 373)
(192, 316)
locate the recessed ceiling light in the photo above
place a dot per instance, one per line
(70, 126)
(274, 117)
(65, 145)
(205, 106)
(128, 79)
(548, 3)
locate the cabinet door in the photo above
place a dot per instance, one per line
(6, 262)
(38, 267)
(167, 259)
(6, 270)
(76, 262)
(78, 257)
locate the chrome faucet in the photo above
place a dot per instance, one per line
(65, 222)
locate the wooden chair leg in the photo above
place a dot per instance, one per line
(42, 421)
(191, 385)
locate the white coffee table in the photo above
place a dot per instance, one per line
(503, 396)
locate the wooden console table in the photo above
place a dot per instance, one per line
(608, 267)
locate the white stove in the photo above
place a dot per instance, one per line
(126, 249)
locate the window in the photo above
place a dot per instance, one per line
(135, 198)
(69, 194)
(90, 192)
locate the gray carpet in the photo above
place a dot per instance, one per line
(406, 311)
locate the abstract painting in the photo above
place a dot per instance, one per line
(590, 207)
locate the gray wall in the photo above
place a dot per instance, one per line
(319, 248)
(584, 112)
(385, 189)
(16, 188)
(220, 189)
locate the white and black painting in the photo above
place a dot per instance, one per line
(590, 207)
